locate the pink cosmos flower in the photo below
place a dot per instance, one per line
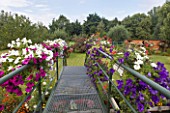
(35, 60)
(29, 77)
(1, 73)
(1, 107)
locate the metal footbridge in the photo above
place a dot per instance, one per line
(74, 93)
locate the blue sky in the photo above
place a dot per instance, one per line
(45, 10)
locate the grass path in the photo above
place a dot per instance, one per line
(76, 59)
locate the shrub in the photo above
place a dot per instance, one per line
(79, 45)
(60, 34)
(118, 33)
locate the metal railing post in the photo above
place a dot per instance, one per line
(109, 92)
(40, 95)
(57, 65)
(39, 91)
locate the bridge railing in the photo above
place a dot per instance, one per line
(38, 86)
(153, 84)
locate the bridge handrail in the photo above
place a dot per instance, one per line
(142, 77)
(13, 73)
(153, 84)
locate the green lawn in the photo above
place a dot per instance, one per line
(76, 59)
(163, 59)
(3, 51)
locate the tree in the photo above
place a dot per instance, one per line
(74, 28)
(89, 26)
(139, 26)
(118, 33)
(100, 27)
(155, 26)
(59, 24)
(164, 20)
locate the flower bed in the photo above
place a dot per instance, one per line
(21, 53)
(138, 93)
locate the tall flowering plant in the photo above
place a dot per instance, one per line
(21, 53)
(138, 93)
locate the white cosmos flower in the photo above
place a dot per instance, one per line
(144, 49)
(38, 52)
(130, 50)
(26, 104)
(10, 68)
(17, 60)
(13, 42)
(136, 67)
(9, 45)
(24, 51)
(153, 65)
(18, 44)
(35, 106)
(24, 40)
(29, 41)
(44, 83)
(12, 45)
(139, 57)
(18, 39)
(10, 59)
(139, 61)
(120, 53)
(46, 93)
(146, 57)
(3, 59)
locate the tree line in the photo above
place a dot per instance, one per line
(153, 25)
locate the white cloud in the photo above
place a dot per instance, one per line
(82, 1)
(149, 4)
(40, 6)
(14, 3)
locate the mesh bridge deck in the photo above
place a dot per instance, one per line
(75, 93)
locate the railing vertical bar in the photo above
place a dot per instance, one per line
(21, 103)
(40, 95)
(109, 92)
(118, 90)
(57, 66)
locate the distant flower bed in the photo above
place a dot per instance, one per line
(137, 92)
(21, 53)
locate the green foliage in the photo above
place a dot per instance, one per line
(74, 28)
(89, 26)
(118, 33)
(164, 19)
(18, 26)
(60, 34)
(59, 24)
(138, 25)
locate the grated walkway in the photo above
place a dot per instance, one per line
(74, 93)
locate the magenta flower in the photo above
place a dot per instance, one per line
(26, 61)
(1, 107)
(55, 54)
(56, 45)
(30, 84)
(1, 73)
(42, 73)
(28, 89)
(44, 56)
(37, 76)
(29, 77)
(35, 60)
(18, 92)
